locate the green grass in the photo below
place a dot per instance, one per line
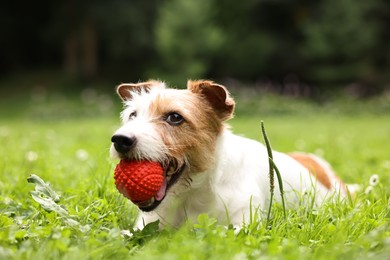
(72, 155)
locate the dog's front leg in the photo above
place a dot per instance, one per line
(145, 218)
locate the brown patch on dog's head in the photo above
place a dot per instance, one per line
(193, 140)
(125, 90)
(216, 95)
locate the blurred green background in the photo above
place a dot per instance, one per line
(294, 47)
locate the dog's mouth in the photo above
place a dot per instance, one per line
(172, 173)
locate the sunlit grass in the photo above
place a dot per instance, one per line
(72, 155)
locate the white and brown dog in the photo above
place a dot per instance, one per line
(207, 168)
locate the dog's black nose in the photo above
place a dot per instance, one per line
(123, 144)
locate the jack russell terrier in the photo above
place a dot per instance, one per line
(207, 168)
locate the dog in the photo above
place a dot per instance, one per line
(207, 168)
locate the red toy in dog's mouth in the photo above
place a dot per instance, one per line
(145, 183)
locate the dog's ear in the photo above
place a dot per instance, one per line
(126, 90)
(217, 96)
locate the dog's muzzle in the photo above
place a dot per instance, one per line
(123, 144)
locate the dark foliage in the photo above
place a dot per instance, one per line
(289, 46)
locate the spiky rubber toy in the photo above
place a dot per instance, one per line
(139, 180)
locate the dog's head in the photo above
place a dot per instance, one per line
(177, 128)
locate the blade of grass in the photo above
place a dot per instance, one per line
(280, 183)
(272, 169)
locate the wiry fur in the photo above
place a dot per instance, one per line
(222, 171)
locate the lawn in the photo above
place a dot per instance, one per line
(65, 142)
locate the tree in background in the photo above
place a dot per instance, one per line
(114, 37)
(186, 39)
(341, 42)
(249, 46)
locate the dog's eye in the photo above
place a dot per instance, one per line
(174, 119)
(133, 115)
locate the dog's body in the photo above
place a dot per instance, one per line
(207, 168)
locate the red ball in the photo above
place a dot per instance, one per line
(138, 180)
